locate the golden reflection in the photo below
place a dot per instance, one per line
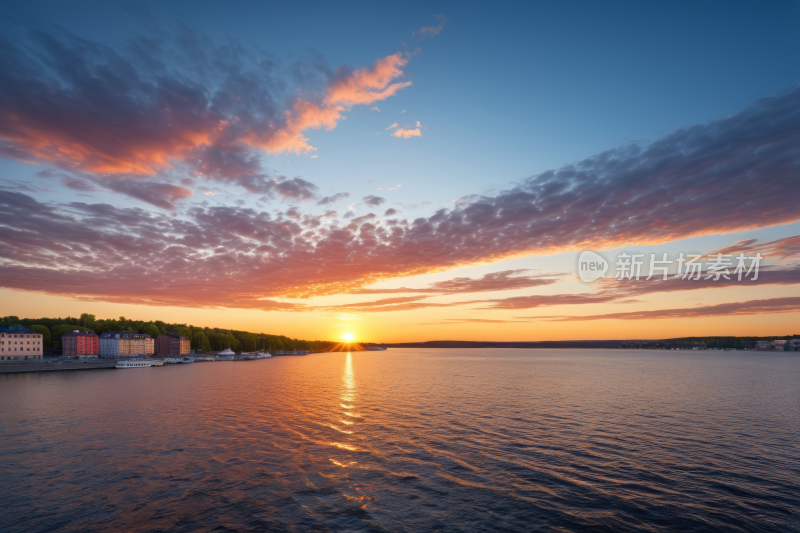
(339, 463)
(343, 446)
(349, 379)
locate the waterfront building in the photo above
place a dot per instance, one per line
(172, 344)
(763, 345)
(80, 343)
(125, 343)
(18, 343)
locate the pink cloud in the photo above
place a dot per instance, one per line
(156, 123)
(402, 133)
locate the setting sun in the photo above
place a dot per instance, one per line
(348, 337)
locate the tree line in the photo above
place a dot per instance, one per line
(203, 338)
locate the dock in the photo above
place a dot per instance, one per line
(55, 365)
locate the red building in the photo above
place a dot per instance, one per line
(80, 343)
(172, 344)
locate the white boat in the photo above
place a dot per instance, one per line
(156, 362)
(133, 364)
(293, 352)
(224, 358)
(172, 360)
(187, 360)
(204, 358)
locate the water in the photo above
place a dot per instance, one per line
(409, 440)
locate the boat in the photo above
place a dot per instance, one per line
(187, 360)
(224, 358)
(292, 352)
(261, 354)
(204, 358)
(172, 360)
(133, 363)
(156, 362)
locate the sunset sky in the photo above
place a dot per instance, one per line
(423, 171)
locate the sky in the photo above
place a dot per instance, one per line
(429, 171)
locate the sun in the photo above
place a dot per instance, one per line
(348, 337)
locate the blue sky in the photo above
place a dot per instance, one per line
(505, 91)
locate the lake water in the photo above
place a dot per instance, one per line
(409, 440)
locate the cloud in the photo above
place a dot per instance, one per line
(403, 111)
(404, 303)
(375, 109)
(333, 198)
(730, 175)
(496, 281)
(314, 156)
(175, 104)
(352, 206)
(609, 290)
(373, 201)
(392, 126)
(389, 212)
(77, 184)
(162, 195)
(752, 307)
(402, 133)
(783, 249)
(433, 31)
(209, 193)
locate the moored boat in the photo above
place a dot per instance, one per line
(186, 360)
(134, 363)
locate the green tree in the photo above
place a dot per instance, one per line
(87, 320)
(10, 320)
(47, 338)
(201, 342)
(151, 329)
(183, 331)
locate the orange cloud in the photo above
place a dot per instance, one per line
(402, 133)
(367, 85)
(147, 124)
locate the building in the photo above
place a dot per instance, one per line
(763, 345)
(80, 343)
(792, 345)
(19, 344)
(125, 343)
(172, 344)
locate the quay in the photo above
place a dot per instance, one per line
(55, 365)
